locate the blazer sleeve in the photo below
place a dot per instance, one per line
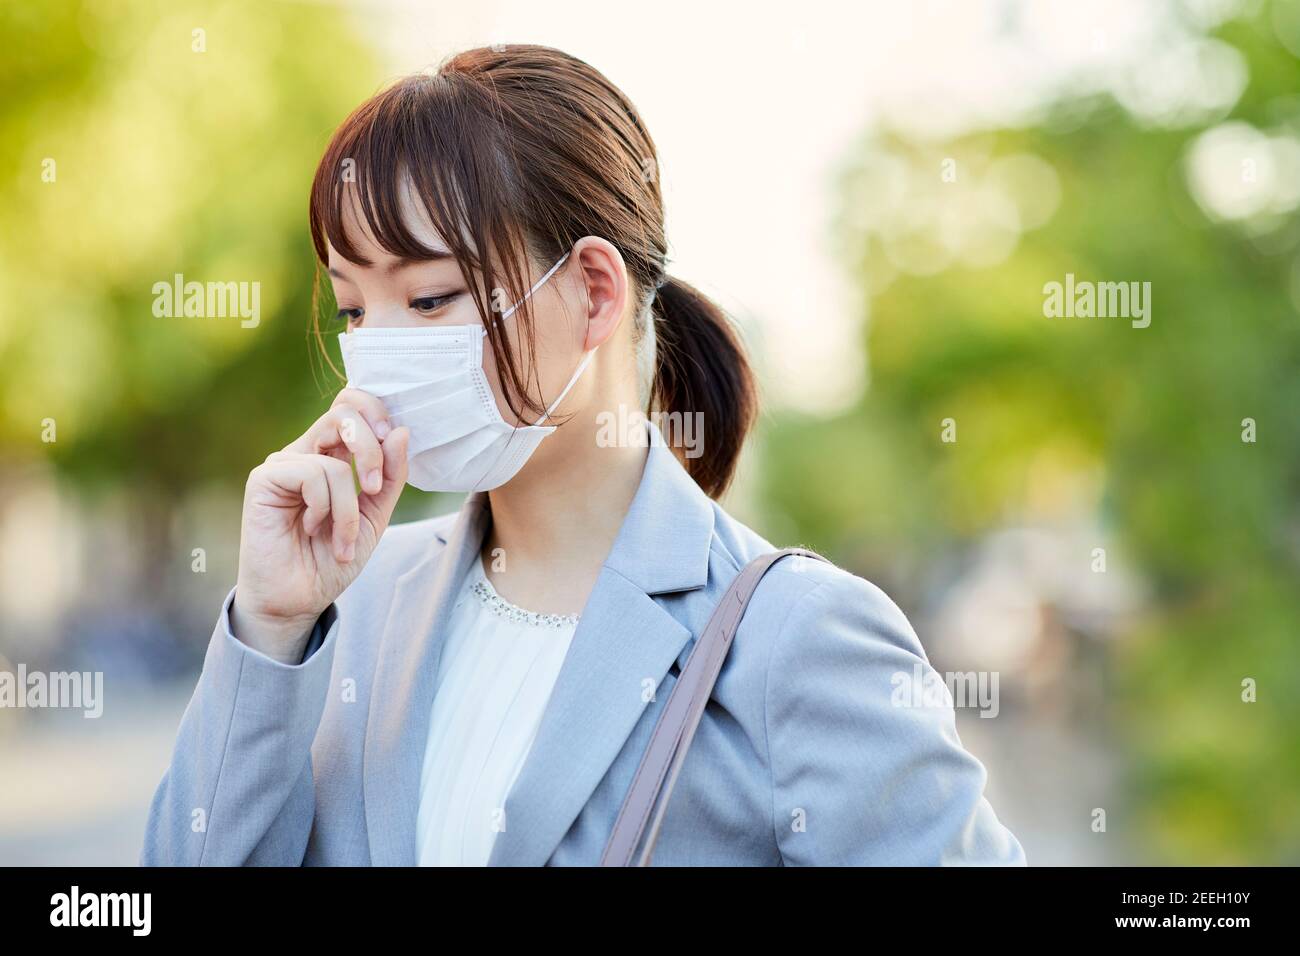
(239, 789)
(857, 780)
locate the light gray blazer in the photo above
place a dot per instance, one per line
(800, 758)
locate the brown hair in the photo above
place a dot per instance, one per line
(517, 152)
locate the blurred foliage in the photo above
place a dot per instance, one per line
(1137, 430)
(168, 160)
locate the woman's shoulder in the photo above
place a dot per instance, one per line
(809, 622)
(832, 676)
(813, 600)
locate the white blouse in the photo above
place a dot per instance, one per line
(497, 669)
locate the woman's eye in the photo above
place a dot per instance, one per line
(427, 304)
(350, 315)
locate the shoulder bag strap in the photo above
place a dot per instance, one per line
(653, 782)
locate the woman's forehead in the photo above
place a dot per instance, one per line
(415, 219)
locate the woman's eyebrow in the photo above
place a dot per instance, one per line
(399, 263)
(404, 262)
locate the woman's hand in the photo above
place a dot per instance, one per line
(306, 533)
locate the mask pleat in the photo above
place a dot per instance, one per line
(438, 420)
(480, 470)
(484, 443)
(458, 391)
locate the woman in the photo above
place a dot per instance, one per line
(478, 688)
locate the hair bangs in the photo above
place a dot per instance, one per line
(421, 150)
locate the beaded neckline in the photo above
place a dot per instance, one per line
(495, 603)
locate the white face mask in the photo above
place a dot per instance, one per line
(431, 380)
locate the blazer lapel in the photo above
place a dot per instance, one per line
(623, 637)
(405, 678)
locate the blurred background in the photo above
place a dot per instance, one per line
(879, 193)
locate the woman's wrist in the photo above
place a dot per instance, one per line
(279, 638)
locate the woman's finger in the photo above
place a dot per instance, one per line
(371, 408)
(379, 508)
(298, 476)
(344, 510)
(316, 496)
(345, 427)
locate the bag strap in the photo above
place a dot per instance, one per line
(653, 782)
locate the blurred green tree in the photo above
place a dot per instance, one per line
(954, 271)
(157, 139)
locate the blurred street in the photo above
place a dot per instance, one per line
(76, 791)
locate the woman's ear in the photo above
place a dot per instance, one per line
(604, 277)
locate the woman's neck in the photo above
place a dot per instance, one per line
(552, 529)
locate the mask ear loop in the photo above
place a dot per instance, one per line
(585, 359)
(565, 391)
(540, 282)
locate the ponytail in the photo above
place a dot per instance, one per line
(701, 369)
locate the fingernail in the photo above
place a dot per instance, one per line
(374, 481)
(382, 429)
(350, 552)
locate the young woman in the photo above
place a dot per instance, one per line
(479, 688)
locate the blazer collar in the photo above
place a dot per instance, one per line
(622, 638)
(406, 670)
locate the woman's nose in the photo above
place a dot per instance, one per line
(391, 315)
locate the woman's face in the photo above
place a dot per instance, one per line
(397, 293)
